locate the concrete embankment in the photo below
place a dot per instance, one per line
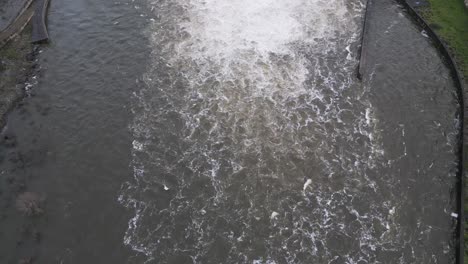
(35, 9)
(363, 48)
(39, 29)
(18, 24)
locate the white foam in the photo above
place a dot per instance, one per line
(250, 84)
(137, 145)
(274, 215)
(229, 27)
(306, 184)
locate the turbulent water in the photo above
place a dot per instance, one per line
(255, 143)
(232, 131)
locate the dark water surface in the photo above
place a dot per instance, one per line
(73, 143)
(232, 132)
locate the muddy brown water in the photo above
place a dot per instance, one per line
(232, 132)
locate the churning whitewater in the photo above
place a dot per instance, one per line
(253, 140)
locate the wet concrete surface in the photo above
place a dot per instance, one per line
(9, 10)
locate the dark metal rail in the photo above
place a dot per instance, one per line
(363, 47)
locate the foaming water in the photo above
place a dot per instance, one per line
(253, 141)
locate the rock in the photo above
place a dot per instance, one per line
(466, 3)
(30, 56)
(30, 203)
(418, 3)
(21, 79)
(9, 141)
(26, 261)
(10, 179)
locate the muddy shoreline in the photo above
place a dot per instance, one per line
(18, 71)
(18, 66)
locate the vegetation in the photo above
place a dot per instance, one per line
(9, 52)
(30, 204)
(449, 18)
(17, 47)
(16, 60)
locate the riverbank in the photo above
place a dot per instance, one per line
(16, 65)
(17, 68)
(71, 138)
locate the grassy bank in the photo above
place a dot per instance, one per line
(450, 20)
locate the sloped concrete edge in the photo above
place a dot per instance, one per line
(18, 24)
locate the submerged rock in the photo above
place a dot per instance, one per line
(30, 203)
(26, 261)
(9, 140)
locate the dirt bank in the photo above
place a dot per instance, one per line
(17, 64)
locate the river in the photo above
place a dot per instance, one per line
(224, 131)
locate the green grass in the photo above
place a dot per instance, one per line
(449, 18)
